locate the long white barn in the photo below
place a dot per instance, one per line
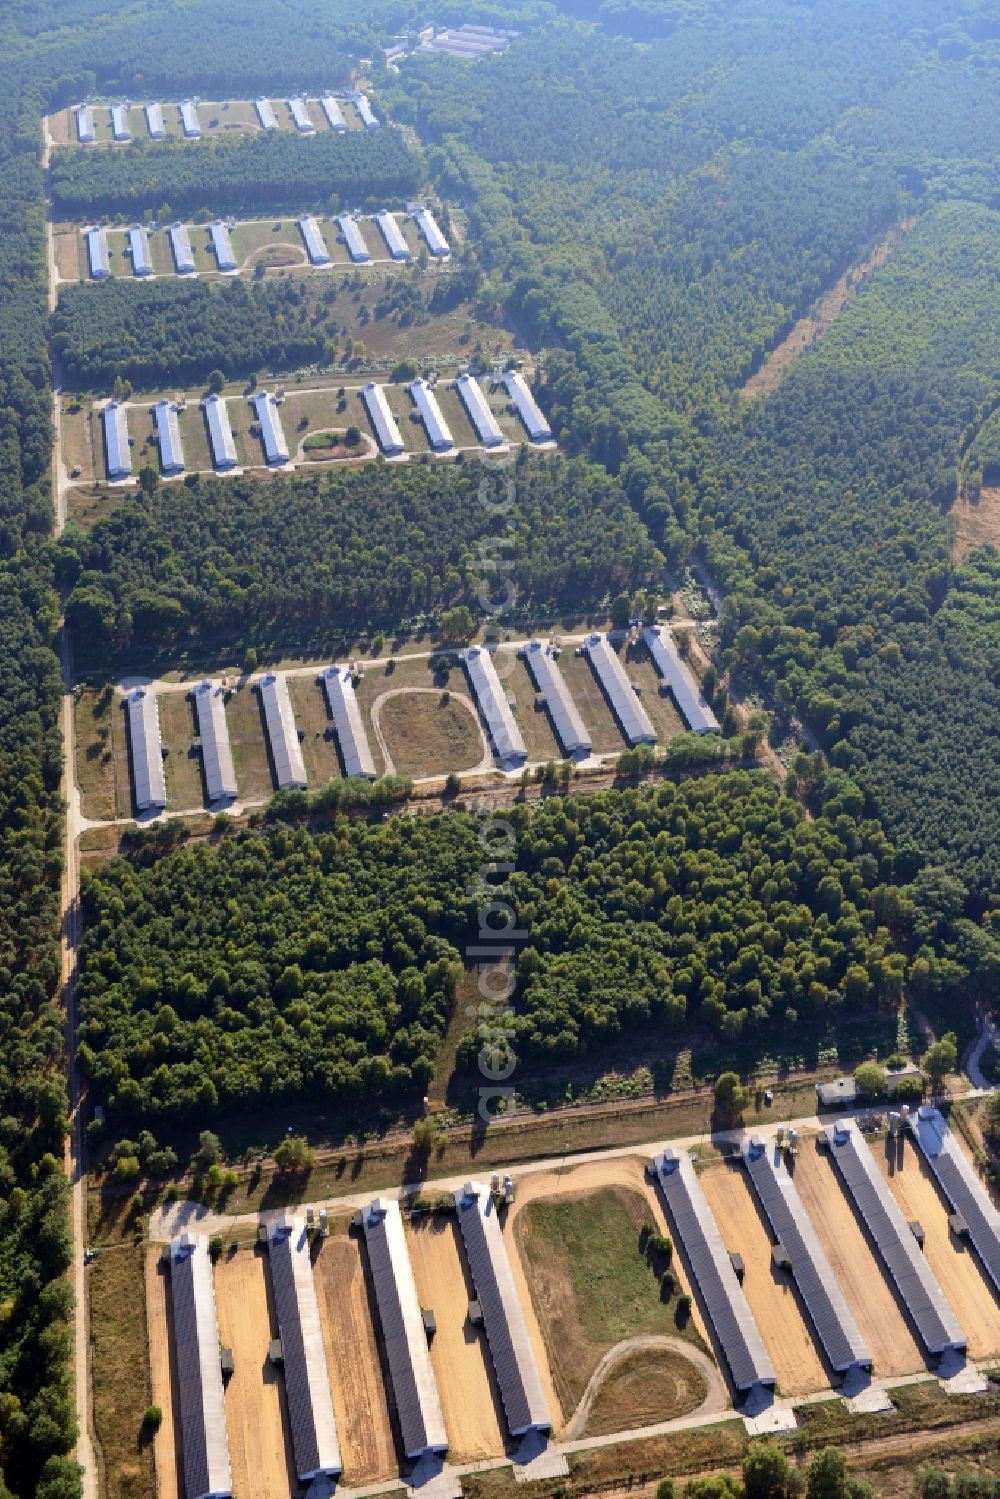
(511, 1352)
(282, 735)
(520, 393)
(189, 119)
(119, 123)
(138, 244)
(367, 114)
(434, 239)
(216, 750)
(395, 243)
(154, 121)
(204, 1442)
(480, 415)
(220, 433)
(353, 238)
(313, 239)
(97, 253)
(633, 720)
(299, 112)
(334, 114)
(418, 1405)
(961, 1185)
(566, 720)
(168, 437)
(315, 1444)
(508, 742)
(118, 455)
(265, 113)
(355, 752)
(147, 751)
(85, 132)
(271, 431)
(438, 432)
(223, 246)
(678, 676)
(180, 245)
(387, 431)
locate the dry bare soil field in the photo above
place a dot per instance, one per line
(256, 1415)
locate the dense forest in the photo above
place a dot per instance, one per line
(832, 543)
(169, 331)
(367, 546)
(267, 173)
(291, 963)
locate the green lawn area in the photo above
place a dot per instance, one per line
(590, 1280)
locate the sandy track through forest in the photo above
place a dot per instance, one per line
(359, 1390)
(259, 1440)
(469, 1397)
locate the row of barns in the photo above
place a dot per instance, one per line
(542, 661)
(267, 413)
(220, 232)
(338, 683)
(187, 110)
(405, 1327)
(898, 1244)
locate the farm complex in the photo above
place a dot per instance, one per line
(744, 1284)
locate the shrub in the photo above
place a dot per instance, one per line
(152, 1417)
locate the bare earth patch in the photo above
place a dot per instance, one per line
(978, 523)
(644, 1387)
(425, 735)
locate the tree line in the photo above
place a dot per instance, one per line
(274, 172)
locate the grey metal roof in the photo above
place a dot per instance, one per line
(480, 414)
(633, 720)
(334, 113)
(116, 449)
(119, 122)
(517, 388)
(300, 116)
(569, 726)
(961, 1185)
(935, 1322)
(429, 228)
(353, 238)
(220, 433)
(393, 236)
(711, 1268)
(307, 1381)
(180, 244)
(513, 1356)
(138, 243)
(286, 751)
(97, 253)
(387, 431)
(819, 1288)
(84, 124)
(223, 247)
(508, 742)
(364, 109)
(154, 121)
(168, 437)
(314, 242)
(265, 113)
(216, 752)
(189, 119)
(681, 680)
(271, 431)
(438, 431)
(357, 756)
(421, 1421)
(204, 1444)
(147, 751)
